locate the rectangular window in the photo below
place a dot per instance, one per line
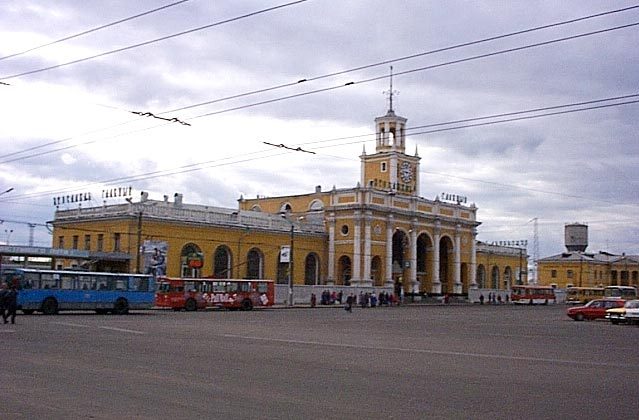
(383, 167)
(116, 242)
(553, 274)
(60, 241)
(569, 274)
(87, 242)
(100, 244)
(75, 242)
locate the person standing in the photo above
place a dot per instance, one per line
(3, 294)
(11, 305)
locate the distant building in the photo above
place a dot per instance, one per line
(380, 233)
(576, 267)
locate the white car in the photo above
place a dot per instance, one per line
(632, 311)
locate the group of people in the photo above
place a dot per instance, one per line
(364, 300)
(8, 302)
(493, 299)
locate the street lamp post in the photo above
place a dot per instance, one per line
(290, 266)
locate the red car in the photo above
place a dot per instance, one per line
(595, 309)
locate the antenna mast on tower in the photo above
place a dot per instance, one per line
(391, 92)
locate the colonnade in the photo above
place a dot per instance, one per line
(361, 273)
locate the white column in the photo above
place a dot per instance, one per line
(331, 249)
(473, 260)
(366, 279)
(413, 258)
(437, 286)
(389, 251)
(457, 287)
(357, 249)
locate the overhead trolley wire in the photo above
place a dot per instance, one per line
(244, 157)
(415, 70)
(403, 58)
(153, 41)
(98, 28)
(496, 37)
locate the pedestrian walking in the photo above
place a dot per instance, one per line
(349, 303)
(11, 305)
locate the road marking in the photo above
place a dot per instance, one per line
(122, 330)
(71, 324)
(439, 352)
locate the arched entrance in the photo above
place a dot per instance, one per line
(400, 256)
(344, 270)
(445, 264)
(254, 264)
(424, 261)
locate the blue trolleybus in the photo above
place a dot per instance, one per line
(50, 291)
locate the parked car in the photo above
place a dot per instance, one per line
(618, 315)
(632, 311)
(595, 309)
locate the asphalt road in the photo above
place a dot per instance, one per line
(453, 362)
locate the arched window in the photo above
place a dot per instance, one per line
(316, 205)
(494, 278)
(286, 208)
(222, 263)
(508, 277)
(254, 264)
(191, 261)
(311, 269)
(481, 276)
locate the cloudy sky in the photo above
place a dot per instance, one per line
(230, 69)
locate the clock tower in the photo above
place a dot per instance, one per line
(390, 168)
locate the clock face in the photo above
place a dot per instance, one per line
(406, 172)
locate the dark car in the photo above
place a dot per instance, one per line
(595, 309)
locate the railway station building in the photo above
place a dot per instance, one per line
(379, 233)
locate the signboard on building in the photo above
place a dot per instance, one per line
(153, 254)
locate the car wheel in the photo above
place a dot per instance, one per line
(579, 317)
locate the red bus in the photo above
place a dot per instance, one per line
(531, 295)
(193, 294)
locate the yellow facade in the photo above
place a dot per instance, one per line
(380, 233)
(584, 269)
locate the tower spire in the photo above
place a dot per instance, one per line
(391, 93)
(390, 108)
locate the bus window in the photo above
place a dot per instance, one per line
(66, 281)
(48, 281)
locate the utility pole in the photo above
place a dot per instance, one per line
(138, 253)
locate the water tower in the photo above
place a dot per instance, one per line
(576, 237)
